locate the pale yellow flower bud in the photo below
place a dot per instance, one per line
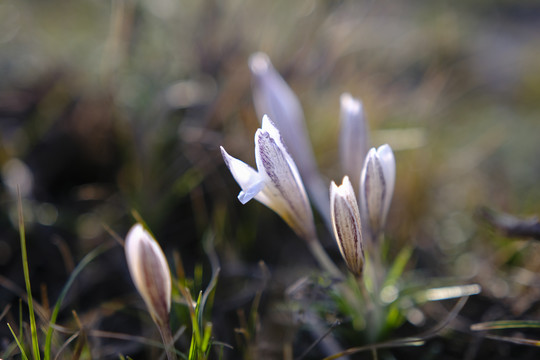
(150, 272)
(347, 225)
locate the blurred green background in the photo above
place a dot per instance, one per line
(109, 106)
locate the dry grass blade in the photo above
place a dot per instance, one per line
(11, 286)
(510, 225)
(127, 337)
(5, 311)
(321, 338)
(514, 340)
(509, 324)
(65, 345)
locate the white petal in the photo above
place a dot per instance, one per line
(249, 180)
(346, 191)
(284, 188)
(353, 142)
(251, 192)
(388, 163)
(269, 127)
(272, 96)
(134, 236)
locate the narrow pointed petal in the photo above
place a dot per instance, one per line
(353, 137)
(284, 189)
(272, 96)
(347, 225)
(388, 164)
(269, 127)
(249, 180)
(149, 271)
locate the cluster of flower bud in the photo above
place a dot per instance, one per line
(277, 182)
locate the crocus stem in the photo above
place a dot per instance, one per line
(376, 272)
(323, 259)
(168, 340)
(378, 269)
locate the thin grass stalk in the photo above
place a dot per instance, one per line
(21, 329)
(33, 327)
(18, 343)
(5, 311)
(82, 264)
(65, 345)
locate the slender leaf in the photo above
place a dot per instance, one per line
(18, 343)
(515, 340)
(506, 324)
(32, 315)
(82, 264)
(398, 266)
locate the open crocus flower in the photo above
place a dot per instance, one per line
(276, 183)
(377, 187)
(273, 97)
(353, 144)
(347, 225)
(150, 272)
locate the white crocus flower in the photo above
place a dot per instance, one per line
(150, 272)
(353, 144)
(377, 187)
(276, 183)
(347, 225)
(272, 96)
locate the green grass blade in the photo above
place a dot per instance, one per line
(206, 338)
(506, 324)
(196, 338)
(18, 343)
(208, 294)
(82, 264)
(20, 320)
(33, 327)
(398, 266)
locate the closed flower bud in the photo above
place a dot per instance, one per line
(273, 97)
(150, 272)
(376, 188)
(353, 140)
(347, 225)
